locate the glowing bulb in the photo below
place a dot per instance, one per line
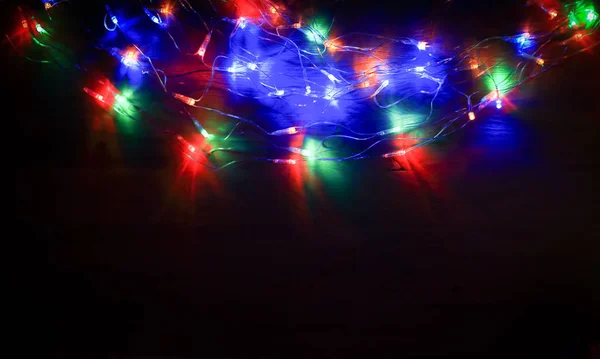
(474, 66)
(130, 59)
(366, 84)
(498, 104)
(285, 131)
(24, 23)
(494, 95)
(112, 16)
(394, 154)
(297, 25)
(165, 10)
(420, 68)
(273, 10)
(591, 16)
(301, 151)
(579, 36)
(153, 17)
(47, 5)
(192, 148)
(94, 94)
(204, 45)
(187, 100)
(279, 93)
(422, 45)
(553, 14)
(242, 23)
(540, 61)
(472, 116)
(252, 66)
(40, 29)
(285, 162)
(308, 90)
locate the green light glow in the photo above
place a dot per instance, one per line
(400, 120)
(582, 13)
(501, 77)
(40, 29)
(318, 31)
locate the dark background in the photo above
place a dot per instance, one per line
(485, 245)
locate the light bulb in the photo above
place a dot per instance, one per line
(285, 162)
(94, 94)
(187, 100)
(394, 154)
(420, 68)
(498, 104)
(40, 29)
(472, 116)
(130, 59)
(422, 45)
(112, 16)
(285, 131)
(153, 17)
(204, 45)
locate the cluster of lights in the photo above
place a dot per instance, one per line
(380, 81)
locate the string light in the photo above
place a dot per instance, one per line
(284, 162)
(300, 76)
(156, 19)
(40, 29)
(94, 94)
(204, 45)
(394, 154)
(111, 15)
(187, 100)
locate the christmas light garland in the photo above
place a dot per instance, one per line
(271, 58)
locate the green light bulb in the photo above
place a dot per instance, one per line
(40, 29)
